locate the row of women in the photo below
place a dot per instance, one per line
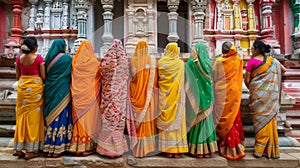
(163, 105)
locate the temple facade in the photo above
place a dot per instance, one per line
(157, 21)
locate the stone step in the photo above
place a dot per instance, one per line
(287, 160)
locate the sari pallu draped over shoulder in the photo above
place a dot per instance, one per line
(58, 112)
(199, 104)
(171, 121)
(227, 77)
(264, 90)
(85, 89)
(142, 96)
(114, 103)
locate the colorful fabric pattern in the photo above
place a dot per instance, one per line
(142, 97)
(114, 101)
(58, 109)
(228, 77)
(264, 90)
(202, 137)
(171, 121)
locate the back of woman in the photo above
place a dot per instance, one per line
(227, 78)
(29, 133)
(171, 121)
(58, 109)
(263, 78)
(142, 96)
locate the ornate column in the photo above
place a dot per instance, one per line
(267, 31)
(82, 6)
(173, 6)
(237, 15)
(65, 18)
(39, 19)
(46, 25)
(295, 6)
(219, 21)
(107, 36)
(251, 20)
(13, 42)
(56, 14)
(33, 11)
(198, 8)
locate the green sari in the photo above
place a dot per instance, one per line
(199, 104)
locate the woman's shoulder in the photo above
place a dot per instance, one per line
(39, 59)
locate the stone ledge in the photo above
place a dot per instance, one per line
(93, 161)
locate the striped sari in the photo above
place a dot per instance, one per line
(264, 103)
(202, 137)
(58, 109)
(171, 121)
(228, 77)
(142, 96)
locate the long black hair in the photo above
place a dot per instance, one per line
(261, 47)
(28, 45)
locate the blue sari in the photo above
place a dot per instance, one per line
(57, 112)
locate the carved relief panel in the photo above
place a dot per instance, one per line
(139, 16)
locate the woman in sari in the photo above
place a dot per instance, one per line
(114, 103)
(30, 70)
(58, 109)
(263, 78)
(202, 137)
(85, 90)
(171, 121)
(227, 78)
(142, 96)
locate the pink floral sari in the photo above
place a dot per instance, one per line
(114, 102)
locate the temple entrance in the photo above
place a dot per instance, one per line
(163, 26)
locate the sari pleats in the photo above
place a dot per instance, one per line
(29, 133)
(266, 141)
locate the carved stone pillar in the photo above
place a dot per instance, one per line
(295, 6)
(173, 6)
(46, 25)
(107, 36)
(39, 19)
(82, 7)
(251, 16)
(198, 8)
(56, 15)
(65, 18)
(237, 15)
(33, 11)
(13, 43)
(219, 25)
(267, 31)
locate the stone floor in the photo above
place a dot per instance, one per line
(287, 160)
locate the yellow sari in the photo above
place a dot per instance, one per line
(29, 133)
(171, 121)
(142, 96)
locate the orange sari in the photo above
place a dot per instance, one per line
(228, 77)
(142, 96)
(85, 88)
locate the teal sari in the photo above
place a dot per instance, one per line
(57, 112)
(199, 104)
